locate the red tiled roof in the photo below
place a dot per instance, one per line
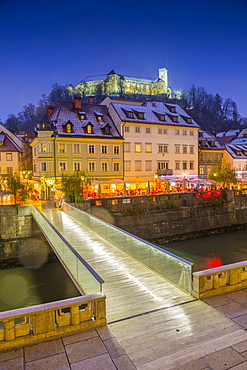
(8, 145)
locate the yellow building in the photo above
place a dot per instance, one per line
(115, 84)
(76, 137)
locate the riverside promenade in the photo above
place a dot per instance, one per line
(151, 323)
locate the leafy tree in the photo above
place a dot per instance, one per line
(15, 187)
(73, 184)
(223, 172)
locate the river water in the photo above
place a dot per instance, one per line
(212, 251)
(37, 281)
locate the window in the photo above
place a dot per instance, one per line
(61, 148)
(91, 149)
(201, 171)
(9, 170)
(162, 148)
(126, 129)
(77, 166)
(116, 149)
(148, 130)
(177, 148)
(165, 131)
(176, 131)
(76, 148)
(148, 165)
(216, 156)
(127, 165)
(191, 149)
(104, 166)
(138, 165)
(191, 165)
(104, 149)
(8, 156)
(191, 133)
(148, 148)
(184, 132)
(137, 129)
(127, 147)
(42, 147)
(62, 166)
(43, 166)
(162, 131)
(116, 167)
(177, 165)
(209, 157)
(89, 129)
(91, 166)
(184, 165)
(139, 115)
(138, 147)
(68, 128)
(163, 166)
(184, 149)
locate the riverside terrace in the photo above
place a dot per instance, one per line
(151, 323)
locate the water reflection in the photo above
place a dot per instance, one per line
(212, 251)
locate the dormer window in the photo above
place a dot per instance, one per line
(139, 115)
(128, 113)
(88, 128)
(106, 129)
(99, 116)
(161, 116)
(245, 152)
(82, 115)
(238, 152)
(187, 119)
(172, 108)
(68, 127)
(173, 117)
(43, 125)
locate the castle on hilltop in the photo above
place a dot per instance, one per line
(115, 84)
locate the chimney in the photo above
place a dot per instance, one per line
(49, 110)
(90, 99)
(77, 101)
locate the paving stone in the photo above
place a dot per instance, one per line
(241, 320)
(105, 332)
(57, 362)
(85, 349)
(123, 363)
(242, 366)
(14, 364)
(114, 348)
(79, 337)
(217, 301)
(13, 353)
(197, 364)
(240, 347)
(233, 310)
(239, 296)
(245, 355)
(223, 359)
(44, 349)
(102, 362)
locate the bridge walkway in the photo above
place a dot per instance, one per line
(130, 287)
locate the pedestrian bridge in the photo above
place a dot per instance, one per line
(136, 276)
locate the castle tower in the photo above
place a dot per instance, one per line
(163, 74)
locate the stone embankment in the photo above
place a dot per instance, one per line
(176, 216)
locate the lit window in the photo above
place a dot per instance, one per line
(43, 147)
(8, 156)
(9, 170)
(138, 147)
(201, 171)
(148, 165)
(209, 157)
(68, 128)
(61, 148)
(148, 148)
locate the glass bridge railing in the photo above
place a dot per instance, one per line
(173, 268)
(84, 277)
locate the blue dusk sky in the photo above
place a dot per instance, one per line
(50, 41)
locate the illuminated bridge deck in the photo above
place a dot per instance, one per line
(130, 287)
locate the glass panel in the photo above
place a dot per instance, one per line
(171, 267)
(82, 274)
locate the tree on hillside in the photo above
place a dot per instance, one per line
(223, 172)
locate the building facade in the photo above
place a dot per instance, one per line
(77, 137)
(115, 84)
(159, 138)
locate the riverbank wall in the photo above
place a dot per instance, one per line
(176, 216)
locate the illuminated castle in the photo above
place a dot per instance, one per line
(115, 84)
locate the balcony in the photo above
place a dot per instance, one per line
(164, 171)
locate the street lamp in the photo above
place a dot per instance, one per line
(82, 185)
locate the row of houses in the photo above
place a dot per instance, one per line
(119, 139)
